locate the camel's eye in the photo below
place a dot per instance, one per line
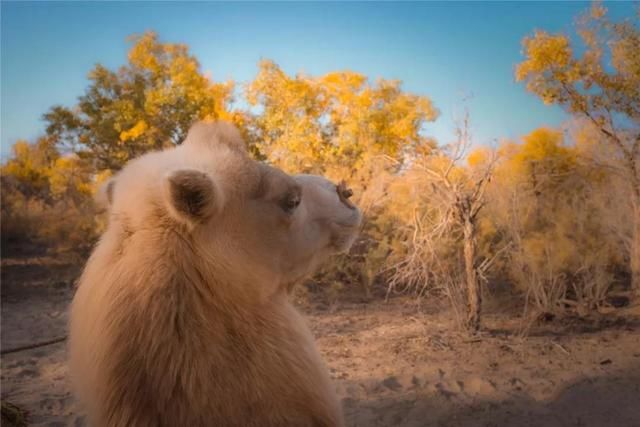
(291, 201)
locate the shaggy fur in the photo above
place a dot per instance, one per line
(181, 317)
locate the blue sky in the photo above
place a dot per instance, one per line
(442, 50)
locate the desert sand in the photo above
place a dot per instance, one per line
(394, 363)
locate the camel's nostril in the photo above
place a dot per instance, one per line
(344, 194)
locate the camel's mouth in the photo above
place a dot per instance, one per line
(345, 232)
(342, 243)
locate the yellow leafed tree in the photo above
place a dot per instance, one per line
(601, 85)
(335, 124)
(147, 104)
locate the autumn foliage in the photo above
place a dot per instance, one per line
(556, 214)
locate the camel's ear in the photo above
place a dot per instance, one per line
(191, 196)
(104, 195)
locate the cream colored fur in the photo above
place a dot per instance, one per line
(182, 317)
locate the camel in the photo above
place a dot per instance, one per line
(181, 316)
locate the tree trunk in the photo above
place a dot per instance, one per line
(474, 298)
(635, 250)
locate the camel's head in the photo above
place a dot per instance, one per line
(246, 219)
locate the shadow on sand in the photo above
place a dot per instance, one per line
(612, 400)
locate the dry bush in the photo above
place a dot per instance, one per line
(59, 225)
(431, 265)
(554, 210)
(21, 216)
(591, 286)
(442, 235)
(565, 263)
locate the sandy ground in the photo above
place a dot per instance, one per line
(394, 364)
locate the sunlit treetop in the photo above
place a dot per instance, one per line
(602, 84)
(339, 120)
(147, 104)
